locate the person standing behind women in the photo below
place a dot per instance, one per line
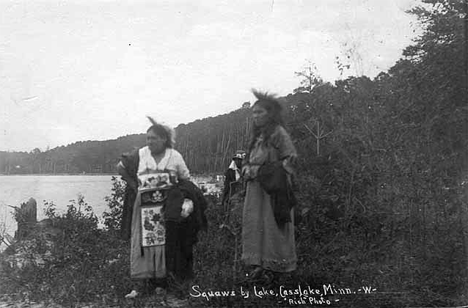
(267, 244)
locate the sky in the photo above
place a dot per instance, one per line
(93, 70)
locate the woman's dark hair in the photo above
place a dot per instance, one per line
(274, 113)
(162, 131)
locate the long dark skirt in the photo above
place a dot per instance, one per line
(179, 249)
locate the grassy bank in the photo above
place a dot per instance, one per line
(352, 262)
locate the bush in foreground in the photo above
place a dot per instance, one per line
(79, 263)
(86, 264)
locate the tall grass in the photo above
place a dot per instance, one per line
(81, 263)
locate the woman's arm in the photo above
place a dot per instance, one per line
(182, 170)
(287, 150)
(122, 170)
(127, 168)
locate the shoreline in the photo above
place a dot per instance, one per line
(61, 174)
(92, 174)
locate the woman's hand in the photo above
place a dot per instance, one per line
(289, 162)
(187, 208)
(249, 172)
(245, 171)
(292, 159)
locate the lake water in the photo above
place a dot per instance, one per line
(59, 189)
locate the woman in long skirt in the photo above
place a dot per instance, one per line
(167, 213)
(267, 240)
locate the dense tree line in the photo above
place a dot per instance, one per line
(207, 146)
(79, 157)
(384, 164)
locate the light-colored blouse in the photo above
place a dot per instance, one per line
(172, 161)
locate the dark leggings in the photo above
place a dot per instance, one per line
(179, 253)
(154, 283)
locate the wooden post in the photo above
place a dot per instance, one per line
(26, 216)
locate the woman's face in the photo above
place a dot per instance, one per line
(155, 143)
(260, 115)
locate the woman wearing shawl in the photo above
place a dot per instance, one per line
(167, 213)
(268, 224)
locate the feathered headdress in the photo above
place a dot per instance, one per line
(268, 99)
(169, 130)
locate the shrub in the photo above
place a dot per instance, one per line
(83, 264)
(113, 217)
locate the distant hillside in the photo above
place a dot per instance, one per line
(205, 144)
(79, 157)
